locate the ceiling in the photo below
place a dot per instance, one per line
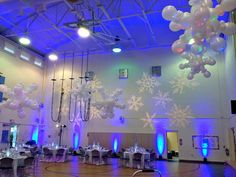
(137, 23)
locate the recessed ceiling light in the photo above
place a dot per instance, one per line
(53, 57)
(83, 32)
(24, 40)
(116, 50)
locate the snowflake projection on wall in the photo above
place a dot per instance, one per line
(95, 84)
(147, 83)
(149, 120)
(180, 82)
(135, 103)
(180, 116)
(95, 113)
(162, 99)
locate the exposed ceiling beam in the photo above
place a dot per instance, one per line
(59, 30)
(119, 20)
(149, 26)
(82, 18)
(127, 32)
(140, 4)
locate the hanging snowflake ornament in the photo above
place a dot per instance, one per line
(134, 103)
(147, 83)
(95, 113)
(149, 120)
(180, 116)
(202, 29)
(196, 64)
(162, 99)
(82, 91)
(19, 98)
(95, 84)
(108, 103)
(180, 83)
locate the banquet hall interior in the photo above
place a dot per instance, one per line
(118, 88)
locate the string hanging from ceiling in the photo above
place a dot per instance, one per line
(58, 119)
(71, 87)
(84, 102)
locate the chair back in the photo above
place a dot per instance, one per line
(29, 161)
(95, 153)
(109, 153)
(46, 151)
(60, 151)
(6, 162)
(153, 156)
(137, 156)
(82, 151)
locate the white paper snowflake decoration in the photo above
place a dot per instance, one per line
(95, 84)
(19, 98)
(149, 120)
(147, 83)
(180, 116)
(108, 103)
(162, 99)
(180, 83)
(202, 28)
(134, 103)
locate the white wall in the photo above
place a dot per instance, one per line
(207, 100)
(16, 71)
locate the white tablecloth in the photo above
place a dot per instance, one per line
(54, 152)
(145, 155)
(17, 161)
(101, 153)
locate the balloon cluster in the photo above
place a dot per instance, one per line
(201, 27)
(108, 102)
(18, 98)
(82, 91)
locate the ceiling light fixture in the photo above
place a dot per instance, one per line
(53, 57)
(24, 40)
(83, 32)
(116, 50)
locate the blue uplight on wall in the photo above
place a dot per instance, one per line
(35, 134)
(115, 145)
(160, 142)
(205, 145)
(76, 140)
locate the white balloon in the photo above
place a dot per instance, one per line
(186, 20)
(208, 3)
(190, 76)
(178, 47)
(175, 26)
(228, 5)
(3, 88)
(217, 43)
(207, 74)
(21, 113)
(168, 12)
(197, 49)
(230, 28)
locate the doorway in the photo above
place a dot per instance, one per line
(13, 136)
(172, 145)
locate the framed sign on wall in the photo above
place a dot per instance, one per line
(123, 73)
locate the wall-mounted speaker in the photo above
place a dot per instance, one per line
(233, 106)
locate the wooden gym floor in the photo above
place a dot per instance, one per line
(75, 168)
